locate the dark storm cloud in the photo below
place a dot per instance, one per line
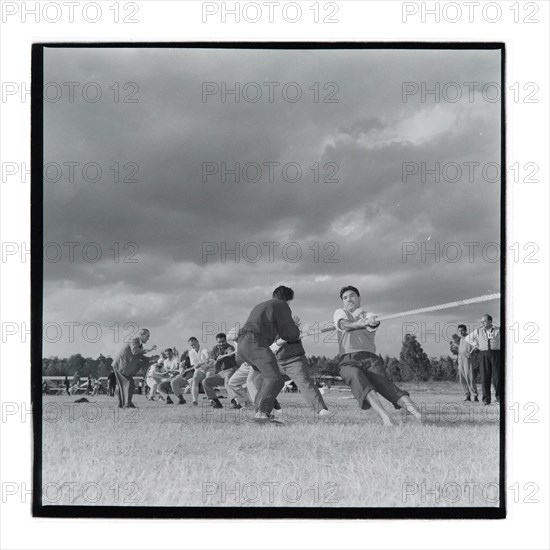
(171, 214)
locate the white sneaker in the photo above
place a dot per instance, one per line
(323, 412)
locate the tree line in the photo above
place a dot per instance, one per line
(413, 365)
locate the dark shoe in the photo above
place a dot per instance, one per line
(130, 406)
(181, 400)
(195, 404)
(236, 406)
(485, 402)
(467, 399)
(276, 405)
(476, 400)
(169, 401)
(215, 403)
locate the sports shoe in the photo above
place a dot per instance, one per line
(467, 399)
(215, 404)
(323, 412)
(236, 406)
(476, 399)
(195, 403)
(169, 401)
(181, 400)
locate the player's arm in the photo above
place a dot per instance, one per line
(136, 350)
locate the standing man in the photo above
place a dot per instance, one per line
(203, 365)
(223, 355)
(111, 384)
(359, 365)
(126, 364)
(487, 340)
(67, 384)
(465, 366)
(267, 321)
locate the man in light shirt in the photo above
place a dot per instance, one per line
(203, 365)
(173, 364)
(359, 365)
(465, 366)
(487, 340)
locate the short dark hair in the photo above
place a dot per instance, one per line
(220, 335)
(488, 316)
(346, 288)
(461, 326)
(193, 338)
(283, 293)
(168, 350)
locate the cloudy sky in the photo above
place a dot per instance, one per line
(350, 226)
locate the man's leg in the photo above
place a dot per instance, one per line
(254, 383)
(495, 361)
(486, 368)
(470, 379)
(361, 388)
(209, 384)
(164, 389)
(198, 377)
(178, 383)
(376, 373)
(297, 370)
(226, 376)
(153, 384)
(462, 376)
(272, 380)
(121, 394)
(129, 391)
(236, 383)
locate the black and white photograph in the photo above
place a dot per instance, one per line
(268, 280)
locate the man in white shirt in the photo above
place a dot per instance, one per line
(203, 365)
(153, 378)
(359, 365)
(487, 340)
(465, 367)
(173, 364)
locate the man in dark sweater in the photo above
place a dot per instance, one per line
(266, 322)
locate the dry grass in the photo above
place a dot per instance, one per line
(163, 455)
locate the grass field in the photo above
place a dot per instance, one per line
(159, 455)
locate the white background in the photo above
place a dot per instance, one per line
(528, 457)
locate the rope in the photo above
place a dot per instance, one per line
(477, 300)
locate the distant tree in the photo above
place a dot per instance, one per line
(393, 370)
(413, 361)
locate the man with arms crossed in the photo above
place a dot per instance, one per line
(126, 364)
(487, 340)
(359, 365)
(267, 321)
